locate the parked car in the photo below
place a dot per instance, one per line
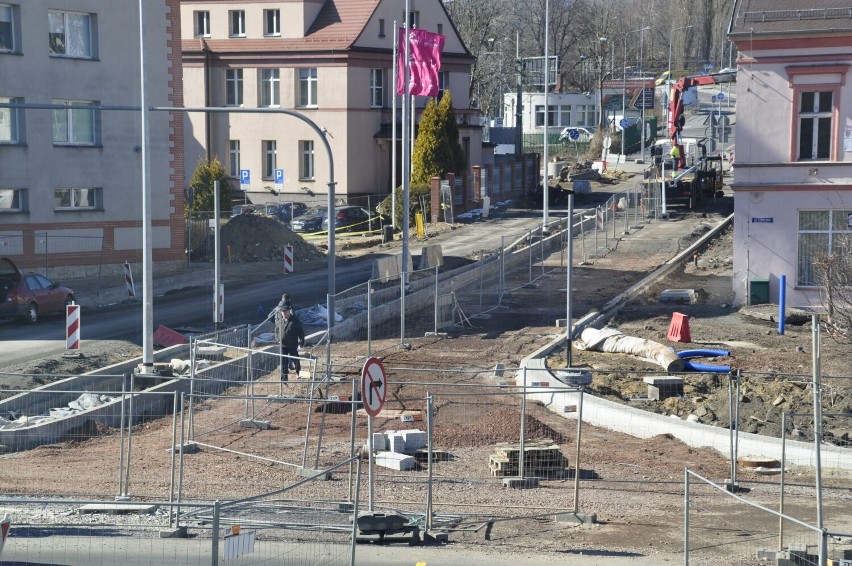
(310, 221)
(29, 295)
(286, 211)
(578, 134)
(352, 218)
(246, 209)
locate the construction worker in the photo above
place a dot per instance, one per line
(675, 155)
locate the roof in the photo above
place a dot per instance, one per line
(754, 18)
(336, 28)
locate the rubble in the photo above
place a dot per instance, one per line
(252, 237)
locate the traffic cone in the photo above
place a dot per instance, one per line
(679, 328)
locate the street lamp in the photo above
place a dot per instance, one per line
(624, 84)
(601, 121)
(669, 76)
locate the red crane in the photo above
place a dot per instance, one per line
(676, 119)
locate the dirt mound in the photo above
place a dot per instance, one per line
(252, 237)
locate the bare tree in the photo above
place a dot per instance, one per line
(834, 272)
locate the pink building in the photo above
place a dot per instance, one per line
(793, 174)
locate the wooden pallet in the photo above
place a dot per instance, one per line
(541, 458)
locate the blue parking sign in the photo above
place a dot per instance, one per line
(245, 176)
(279, 176)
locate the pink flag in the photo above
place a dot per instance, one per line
(424, 62)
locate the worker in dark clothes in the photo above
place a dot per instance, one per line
(291, 337)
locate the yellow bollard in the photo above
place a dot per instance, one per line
(418, 221)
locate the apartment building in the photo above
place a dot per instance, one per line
(71, 178)
(328, 60)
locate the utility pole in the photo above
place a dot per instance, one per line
(519, 114)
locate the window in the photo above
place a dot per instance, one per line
(13, 200)
(270, 87)
(821, 232)
(381, 27)
(9, 122)
(272, 22)
(233, 87)
(308, 87)
(202, 23)
(70, 34)
(74, 126)
(238, 23)
(76, 199)
(306, 163)
(413, 18)
(585, 115)
(377, 96)
(552, 112)
(7, 29)
(565, 115)
(234, 158)
(443, 83)
(815, 110)
(269, 158)
(440, 29)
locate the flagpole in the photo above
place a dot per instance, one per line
(546, 192)
(406, 171)
(393, 127)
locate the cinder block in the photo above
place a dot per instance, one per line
(395, 461)
(380, 441)
(661, 388)
(414, 439)
(396, 442)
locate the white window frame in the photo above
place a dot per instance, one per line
(377, 88)
(233, 87)
(817, 237)
(270, 158)
(10, 118)
(272, 23)
(270, 88)
(552, 115)
(73, 116)
(820, 123)
(58, 41)
(585, 115)
(7, 28)
(443, 83)
(236, 23)
(413, 19)
(306, 160)
(202, 23)
(13, 200)
(307, 87)
(234, 158)
(78, 198)
(565, 115)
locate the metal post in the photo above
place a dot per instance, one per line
(370, 475)
(529, 248)
(736, 433)
(481, 270)
(522, 455)
(577, 455)
(369, 319)
(393, 127)
(216, 256)
(193, 345)
(174, 439)
(406, 181)
(731, 428)
(545, 193)
(353, 408)
(214, 538)
(436, 300)
(686, 517)
(781, 486)
(129, 436)
(121, 439)
(355, 509)
(817, 387)
(569, 267)
(430, 424)
(180, 462)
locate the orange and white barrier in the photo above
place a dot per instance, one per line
(288, 259)
(72, 328)
(128, 281)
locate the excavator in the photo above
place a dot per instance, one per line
(676, 119)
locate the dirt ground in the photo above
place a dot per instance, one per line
(634, 486)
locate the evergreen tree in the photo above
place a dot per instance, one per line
(436, 149)
(455, 156)
(206, 172)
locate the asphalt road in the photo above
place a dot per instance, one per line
(191, 307)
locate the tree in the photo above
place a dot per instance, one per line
(436, 149)
(834, 271)
(201, 185)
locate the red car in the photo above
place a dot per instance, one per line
(29, 295)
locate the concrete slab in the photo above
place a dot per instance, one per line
(254, 423)
(576, 518)
(395, 461)
(683, 296)
(520, 483)
(310, 472)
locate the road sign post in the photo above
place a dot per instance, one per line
(245, 179)
(374, 387)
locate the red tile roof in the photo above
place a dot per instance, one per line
(336, 28)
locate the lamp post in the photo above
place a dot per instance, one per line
(642, 78)
(601, 121)
(669, 76)
(624, 84)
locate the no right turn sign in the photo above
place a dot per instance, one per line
(373, 386)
